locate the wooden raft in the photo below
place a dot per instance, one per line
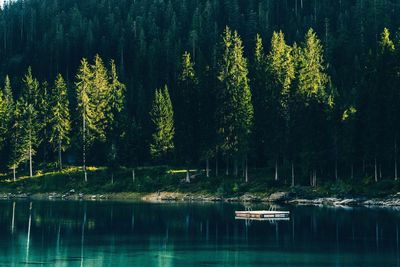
(262, 214)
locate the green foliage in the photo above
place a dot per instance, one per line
(20, 141)
(281, 66)
(313, 79)
(60, 120)
(235, 109)
(84, 89)
(162, 117)
(386, 44)
(348, 113)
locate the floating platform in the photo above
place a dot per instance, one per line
(263, 219)
(262, 214)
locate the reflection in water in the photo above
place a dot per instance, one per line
(28, 239)
(83, 233)
(141, 234)
(13, 219)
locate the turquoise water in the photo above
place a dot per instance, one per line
(141, 234)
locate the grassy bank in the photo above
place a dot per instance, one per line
(163, 178)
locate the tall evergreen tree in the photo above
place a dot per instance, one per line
(4, 117)
(44, 118)
(115, 106)
(30, 117)
(281, 73)
(19, 143)
(84, 88)
(162, 117)
(187, 112)
(235, 110)
(313, 87)
(60, 118)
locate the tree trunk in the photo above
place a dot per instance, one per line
(236, 168)
(395, 161)
(336, 171)
(227, 167)
(363, 167)
(292, 174)
(112, 178)
(84, 147)
(315, 178)
(246, 172)
(14, 175)
(207, 167)
(133, 176)
(187, 176)
(352, 171)
(30, 160)
(276, 171)
(376, 171)
(216, 164)
(60, 154)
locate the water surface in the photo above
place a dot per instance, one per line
(48, 233)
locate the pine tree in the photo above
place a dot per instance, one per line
(44, 118)
(30, 117)
(60, 118)
(187, 111)
(99, 98)
(84, 88)
(116, 95)
(313, 87)
(235, 110)
(259, 83)
(8, 101)
(162, 117)
(115, 106)
(312, 77)
(281, 72)
(19, 142)
(4, 113)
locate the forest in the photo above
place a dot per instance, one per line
(306, 91)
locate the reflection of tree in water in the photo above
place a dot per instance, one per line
(90, 231)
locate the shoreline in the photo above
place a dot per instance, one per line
(179, 197)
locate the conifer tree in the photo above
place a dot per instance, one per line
(115, 106)
(99, 98)
(44, 118)
(313, 87)
(187, 111)
(116, 95)
(259, 83)
(60, 118)
(281, 72)
(162, 117)
(8, 101)
(30, 117)
(84, 89)
(4, 113)
(235, 110)
(18, 141)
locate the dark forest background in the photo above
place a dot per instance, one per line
(147, 39)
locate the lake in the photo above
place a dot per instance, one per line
(56, 233)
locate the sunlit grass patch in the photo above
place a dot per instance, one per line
(180, 171)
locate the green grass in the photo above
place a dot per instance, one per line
(164, 178)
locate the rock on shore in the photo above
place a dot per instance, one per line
(278, 197)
